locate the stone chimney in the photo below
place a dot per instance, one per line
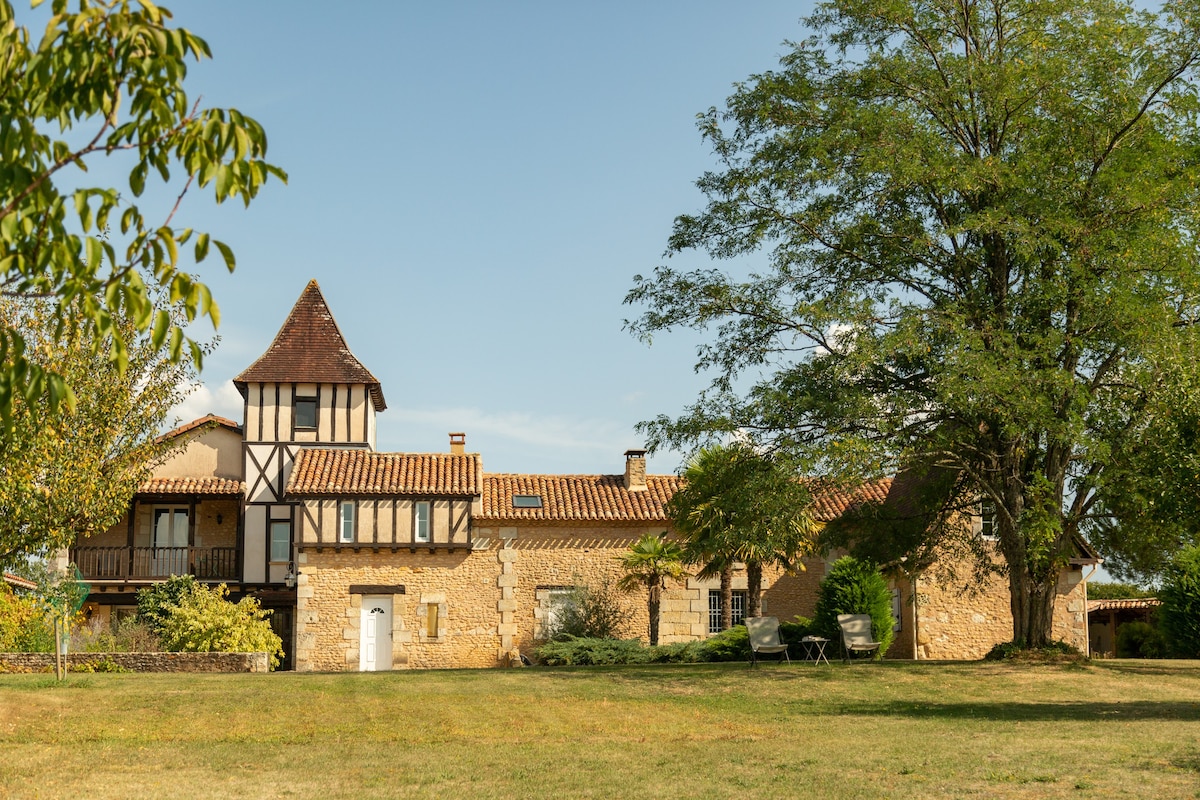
(458, 443)
(635, 470)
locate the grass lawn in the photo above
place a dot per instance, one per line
(1104, 729)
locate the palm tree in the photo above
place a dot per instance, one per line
(649, 562)
(737, 505)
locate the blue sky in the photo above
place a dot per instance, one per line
(474, 186)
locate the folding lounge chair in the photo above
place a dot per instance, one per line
(856, 635)
(764, 638)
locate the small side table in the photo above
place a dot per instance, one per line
(814, 649)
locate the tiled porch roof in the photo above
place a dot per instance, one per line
(1127, 604)
(18, 581)
(204, 486)
(361, 472)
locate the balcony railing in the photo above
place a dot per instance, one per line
(125, 563)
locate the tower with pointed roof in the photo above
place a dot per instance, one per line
(307, 389)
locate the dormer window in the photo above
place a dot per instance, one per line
(306, 412)
(527, 501)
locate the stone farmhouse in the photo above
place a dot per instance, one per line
(375, 561)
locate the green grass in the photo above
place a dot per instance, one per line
(1104, 729)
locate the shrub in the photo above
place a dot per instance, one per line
(204, 621)
(591, 612)
(577, 651)
(730, 645)
(1179, 609)
(854, 586)
(1017, 651)
(677, 653)
(24, 625)
(1140, 640)
(125, 635)
(154, 603)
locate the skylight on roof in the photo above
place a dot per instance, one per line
(527, 501)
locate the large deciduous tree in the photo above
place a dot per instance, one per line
(104, 85)
(982, 235)
(70, 473)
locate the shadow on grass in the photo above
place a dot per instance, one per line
(1014, 711)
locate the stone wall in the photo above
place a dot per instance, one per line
(147, 662)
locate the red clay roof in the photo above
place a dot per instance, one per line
(359, 472)
(18, 581)
(831, 501)
(572, 498)
(207, 485)
(207, 420)
(310, 348)
(1136, 603)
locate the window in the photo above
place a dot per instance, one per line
(987, 520)
(421, 521)
(714, 609)
(527, 501)
(555, 608)
(170, 527)
(306, 412)
(431, 621)
(281, 541)
(346, 521)
(897, 612)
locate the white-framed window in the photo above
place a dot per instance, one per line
(281, 542)
(987, 520)
(346, 521)
(421, 516)
(555, 607)
(714, 609)
(305, 411)
(170, 527)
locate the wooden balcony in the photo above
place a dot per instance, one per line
(157, 563)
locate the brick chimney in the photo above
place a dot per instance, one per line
(635, 470)
(458, 443)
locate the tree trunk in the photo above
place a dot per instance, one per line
(727, 597)
(753, 588)
(655, 605)
(1032, 604)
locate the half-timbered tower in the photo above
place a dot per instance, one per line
(306, 390)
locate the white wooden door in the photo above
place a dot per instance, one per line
(375, 641)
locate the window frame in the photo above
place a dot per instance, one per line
(738, 615)
(272, 527)
(987, 520)
(306, 400)
(347, 521)
(422, 534)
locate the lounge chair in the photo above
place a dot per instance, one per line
(764, 638)
(856, 635)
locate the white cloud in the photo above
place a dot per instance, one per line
(224, 402)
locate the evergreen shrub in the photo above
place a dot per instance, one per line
(854, 586)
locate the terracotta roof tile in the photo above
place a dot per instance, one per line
(355, 471)
(831, 501)
(207, 420)
(1137, 603)
(207, 485)
(571, 498)
(18, 581)
(310, 348)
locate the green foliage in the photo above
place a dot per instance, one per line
(738, 505)
(109, 80)
(1179, 609)
(593, 611)
(1140, 640)
(650, 561)
(204, 621)
(1055, 651)
(573, 651)
(24, 625)
(98, 665)
(156, 602)
(728, 645)
(982, 254)
(854, 586)
(65, 475)
(1117, 591)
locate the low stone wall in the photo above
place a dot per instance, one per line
(145, 662)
